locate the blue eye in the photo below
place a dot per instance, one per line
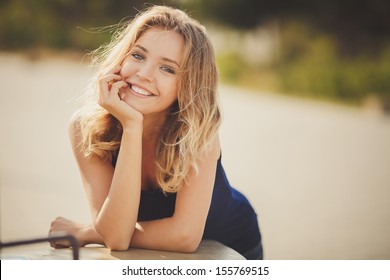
(168, 69)
(137, 56)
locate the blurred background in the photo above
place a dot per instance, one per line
(305, 88)
(333, 50)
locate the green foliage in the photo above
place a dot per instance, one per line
(59, 24)
(230, 66)
(311, 65)
(233, 69)
(331, 52)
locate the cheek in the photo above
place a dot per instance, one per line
(127, 68)
(173, 90)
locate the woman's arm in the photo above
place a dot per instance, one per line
(117, 217)
(181, 233)
(84, 233)
(184, 230)
(113, 194)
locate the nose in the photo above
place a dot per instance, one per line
(145, 72)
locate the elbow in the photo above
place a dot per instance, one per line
(190, 248)
(116, 243)
(188, 242)
(117, 246)
(113, 241)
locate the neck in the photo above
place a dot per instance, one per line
(152, 125)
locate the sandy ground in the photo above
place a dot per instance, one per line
(318, 175)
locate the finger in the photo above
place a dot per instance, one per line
(116, 86)
(109, 99)
(105, 84)
(62, 246)
(109, 78)
(116, 69)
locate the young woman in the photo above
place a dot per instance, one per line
(147, 145)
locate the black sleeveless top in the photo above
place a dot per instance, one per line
(231, 219)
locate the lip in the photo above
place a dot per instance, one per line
(139, 88)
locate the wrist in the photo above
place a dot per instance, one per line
(133, 126)
(88, 235)
(82, 236)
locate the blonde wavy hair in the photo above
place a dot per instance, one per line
(192, 122)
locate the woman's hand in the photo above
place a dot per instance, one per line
(110, 85)
(79, 231)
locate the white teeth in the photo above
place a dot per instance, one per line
(141, 91)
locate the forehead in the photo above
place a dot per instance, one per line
(162, 43)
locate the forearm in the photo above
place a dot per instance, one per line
(118, 215)
(89, 235)
(168, 235)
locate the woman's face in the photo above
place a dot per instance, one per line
(151, 70)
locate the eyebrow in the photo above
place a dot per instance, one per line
(163, 58)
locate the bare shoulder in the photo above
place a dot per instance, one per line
(74, 121)
(74, 129)
(215, 149)
(209, 159)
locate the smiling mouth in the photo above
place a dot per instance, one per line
(140, 91)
